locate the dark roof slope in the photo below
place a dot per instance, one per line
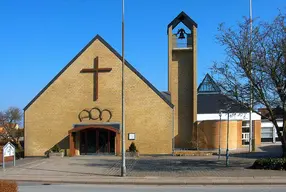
(278, 112)
(98, 37)
(212, 103)
(167, 95)
(185, 19)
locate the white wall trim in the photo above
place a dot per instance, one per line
(232, 116)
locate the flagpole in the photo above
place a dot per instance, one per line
(250, 105)
(123, 166)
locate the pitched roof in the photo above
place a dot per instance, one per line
(278, 112)
(167, 94)
(98, 37)
(212, 100)
(212, 103)
(185, 19)
(208, 85)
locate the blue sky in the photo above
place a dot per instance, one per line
(38, 38)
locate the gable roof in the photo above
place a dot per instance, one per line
(211, 99)
(98, 37)
(167, 94)
(212, 103)
(208, 85)
(185, 19)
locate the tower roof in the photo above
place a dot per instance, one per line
(185, 19)
(208, 85)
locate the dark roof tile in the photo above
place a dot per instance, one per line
(212, 103)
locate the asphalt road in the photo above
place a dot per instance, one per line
(30, 187)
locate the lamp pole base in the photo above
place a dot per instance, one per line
(227, 158)
(123, 171)
(253, 145)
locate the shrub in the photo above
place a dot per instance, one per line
(56, 148)
(19, 154)
(270, 164)
(8, 186)
(132, 147)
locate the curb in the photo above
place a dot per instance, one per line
(154, 182)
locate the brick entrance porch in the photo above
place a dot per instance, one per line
(94, 139)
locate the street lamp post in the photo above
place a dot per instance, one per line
(227, 138)
(219, 147)
(251, 143)
(123, 166)
(282, 91)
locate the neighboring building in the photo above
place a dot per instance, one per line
(268, 130)
(12, 125)
(210, 102)
(16, 131)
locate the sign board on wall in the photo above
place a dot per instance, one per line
(131, 136)
(8, 151)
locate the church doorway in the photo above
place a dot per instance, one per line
(97, 141)
(94, 139)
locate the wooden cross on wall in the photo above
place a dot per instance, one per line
(95, 70)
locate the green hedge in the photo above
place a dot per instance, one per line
(270, 164)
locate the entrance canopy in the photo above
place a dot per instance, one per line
(94, 137)
(115, 127)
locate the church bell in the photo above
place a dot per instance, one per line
(181, 33)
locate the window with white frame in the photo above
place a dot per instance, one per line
(245, 132)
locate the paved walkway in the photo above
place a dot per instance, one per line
(150, 166)
(92, 168)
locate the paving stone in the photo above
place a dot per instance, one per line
(144, 166)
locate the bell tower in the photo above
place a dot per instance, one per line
(182, 77)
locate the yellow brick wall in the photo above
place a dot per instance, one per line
(181, 95)
(239, 134)
(208, 134)
(257, 132)
(49, 118)
(183, 88)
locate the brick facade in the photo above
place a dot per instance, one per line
(183, 88)
(54, 111)
(208, 134)
(257, 132)
(159, 123)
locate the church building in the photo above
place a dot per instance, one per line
(80, 108)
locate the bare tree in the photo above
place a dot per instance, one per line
(257, 59)
(9, 120)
